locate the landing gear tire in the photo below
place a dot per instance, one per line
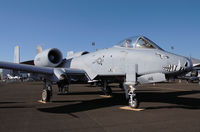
(107, 91)
(46, 95)
(133, 102)
(49, 88)
(121, 86)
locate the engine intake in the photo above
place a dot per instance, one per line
(49, 58)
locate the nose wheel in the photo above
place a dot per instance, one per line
(133, 102)
(131, 96)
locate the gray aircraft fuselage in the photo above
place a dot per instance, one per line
(117, 61)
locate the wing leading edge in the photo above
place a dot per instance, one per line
(41, 70)
(27, 68)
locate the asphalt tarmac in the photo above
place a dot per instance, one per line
(173, 107)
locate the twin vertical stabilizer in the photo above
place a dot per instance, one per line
(38, 49)
(17, 55)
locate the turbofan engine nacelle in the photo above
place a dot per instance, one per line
(48, 58)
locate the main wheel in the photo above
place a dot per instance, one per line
(49, 88)
(46, 94)
(133, 102)
(107, 90)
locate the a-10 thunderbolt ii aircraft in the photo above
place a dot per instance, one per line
(132, 61)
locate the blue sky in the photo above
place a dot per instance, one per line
(75, 24)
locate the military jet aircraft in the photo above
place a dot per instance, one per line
(132, 61)
(194, 75)
(13, 77)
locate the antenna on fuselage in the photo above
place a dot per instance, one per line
(172, 48)
(94, 44)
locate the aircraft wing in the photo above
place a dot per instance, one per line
(42, 70)
(196, 63)
(196, 66)
(27, 68)
(53, 73)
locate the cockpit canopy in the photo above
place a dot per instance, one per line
(138, 42)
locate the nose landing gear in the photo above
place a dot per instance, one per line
(131, 95)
